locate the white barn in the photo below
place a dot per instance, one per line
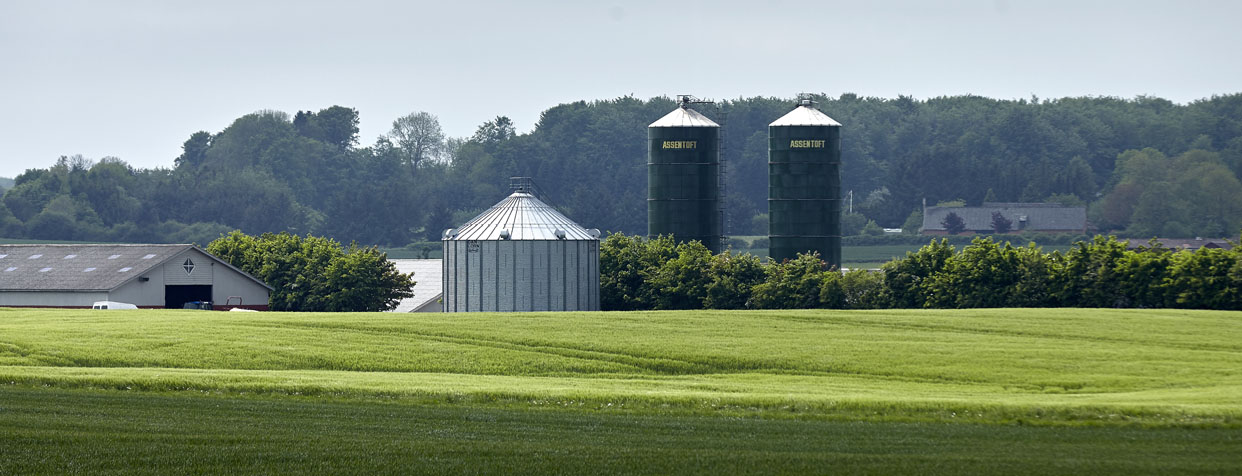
(149, 276)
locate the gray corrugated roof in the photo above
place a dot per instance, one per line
(805, 116)
(84, 267)
(684, 117)
(1038, 217)
(427, 273)
(525, 218)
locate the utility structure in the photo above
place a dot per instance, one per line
(683, 176)
(804, 185)
(520, 255)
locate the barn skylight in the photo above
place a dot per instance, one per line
(70, 256)
(114, 256)
(35, 256)
(148, 256)
(44, 270)
(4, 256)
(87, 270)
(122, 270)
(10, 269)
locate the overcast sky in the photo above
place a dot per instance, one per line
(133, 79)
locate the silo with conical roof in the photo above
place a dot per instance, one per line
(804, 185)
(683, 177)
(520, 255)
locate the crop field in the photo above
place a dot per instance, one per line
(1034, 391)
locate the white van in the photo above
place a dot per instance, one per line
(112, 305)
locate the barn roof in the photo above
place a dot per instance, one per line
(1036, 216)
(85, 267)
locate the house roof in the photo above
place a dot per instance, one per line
(522, 217)
(1036, 216)
(427, 273)
(86, 267)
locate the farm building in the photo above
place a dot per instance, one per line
(428, 273)
(1174, 244)
(149, 276)
(1023, 217)
(521, 255)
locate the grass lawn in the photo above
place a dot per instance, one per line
(1010, 391)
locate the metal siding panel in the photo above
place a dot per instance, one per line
(539, 278)
(51, 298)
(506, 261)
(489, 282)
(571, 275)
(556, 281)
(595, 306)
(683, 185)
(446, 277)
(200, 273)
(474, 276)
(463, 277)
(525, 273)
(804, 192)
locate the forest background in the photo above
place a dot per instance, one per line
(1144, 167)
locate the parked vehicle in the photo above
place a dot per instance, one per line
(107, 305)
(202, 305)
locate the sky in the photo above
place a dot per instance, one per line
(134, 79)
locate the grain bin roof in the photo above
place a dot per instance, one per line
(84, 267)
(684, 117)
(523, 217)
(805, 116)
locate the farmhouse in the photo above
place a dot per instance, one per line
(1180, 244)
(149, 276)
(1034, 217)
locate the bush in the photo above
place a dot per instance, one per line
(316, 274)
(794, 284)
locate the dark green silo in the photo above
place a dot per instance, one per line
(683, 177)
(804, 185)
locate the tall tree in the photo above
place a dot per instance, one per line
(419, 138)
(953, 223)
(1000, 224)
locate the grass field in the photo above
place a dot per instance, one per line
(1014, 391)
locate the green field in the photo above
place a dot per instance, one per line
(1016, 391)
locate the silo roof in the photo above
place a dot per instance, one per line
(684, 117)
(525, 218)
(805, 116)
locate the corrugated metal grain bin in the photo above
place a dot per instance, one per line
(804, 185)
(520, 255)
(683, 177)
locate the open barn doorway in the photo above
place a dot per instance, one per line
(175, 296)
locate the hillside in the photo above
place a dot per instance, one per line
(1145, 166)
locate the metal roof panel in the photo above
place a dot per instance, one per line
(805, 116)
(684, 117)
(525, 218)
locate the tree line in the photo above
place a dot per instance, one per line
(641, 274)
(1144, 166)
